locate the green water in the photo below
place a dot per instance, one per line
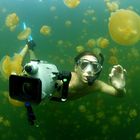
(94, 117)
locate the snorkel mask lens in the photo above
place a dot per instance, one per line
(87, 65)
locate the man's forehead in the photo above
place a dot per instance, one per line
(90, 58)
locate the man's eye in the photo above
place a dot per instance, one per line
(83, 65)
(95, 66)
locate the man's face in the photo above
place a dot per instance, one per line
(88, 66)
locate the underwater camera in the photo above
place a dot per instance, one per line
(25, 88)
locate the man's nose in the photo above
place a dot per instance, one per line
(89, 70)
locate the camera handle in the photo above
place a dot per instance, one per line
(30, 114)
(65, 77)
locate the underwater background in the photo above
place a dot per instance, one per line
(93, 117)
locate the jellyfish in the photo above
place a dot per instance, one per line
(113, 60)
(102, 42)
(115, 120)
(82, 108)
(112, 6)
(138, 135)
(80, 48)
(24, 34)
(15, 102)
(133, 113)
(45, 30)
(68, 23)
(12, 101)
(71, 3)
(91, 43)
(124, 27)
(11, 21)
(7, 123)
(13, 64)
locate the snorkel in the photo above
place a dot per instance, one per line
(90, 80)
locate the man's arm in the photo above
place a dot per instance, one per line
(109, 89)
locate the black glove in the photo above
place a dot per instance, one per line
(31, 44)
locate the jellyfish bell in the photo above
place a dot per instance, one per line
(24, 34)
(16, 65)
(15, 102)
(11, 21)
(91, 43)
(11, 65)
(5, 67)
(112, 6)
(71, 3)
(80, 48)
(45, 30)
(124, 27)
(11, 100)
(113, 60)
(102, 42)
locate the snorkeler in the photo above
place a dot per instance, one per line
(88, 67)
(84, 78)
(42, 80)
(62, 86)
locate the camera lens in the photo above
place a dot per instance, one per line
(27, 90)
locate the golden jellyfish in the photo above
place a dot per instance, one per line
(68, 23)
(91, 43)
(138, 135)
(102, 42)
(133, 113)
(11, 21)
(82, 108)
(60, 42)
(113, 60)
(52, 8)
(124, 27)
(112, 6)
(80, 48)
(45, 30)
(71, 3)
(15, 102)
(10, 65)
(24, 34)
(115, 120)
(96, 50)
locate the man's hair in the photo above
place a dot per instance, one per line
(80, 55)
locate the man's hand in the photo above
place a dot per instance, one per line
(117, 77)
(31, 44)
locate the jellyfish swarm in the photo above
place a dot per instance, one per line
(124, 27)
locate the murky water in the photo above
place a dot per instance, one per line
(94, 117)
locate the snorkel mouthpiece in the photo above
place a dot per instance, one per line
(90, 80)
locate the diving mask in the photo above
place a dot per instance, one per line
(90, 66)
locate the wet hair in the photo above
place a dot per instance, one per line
(99, 57)
(80, 55)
